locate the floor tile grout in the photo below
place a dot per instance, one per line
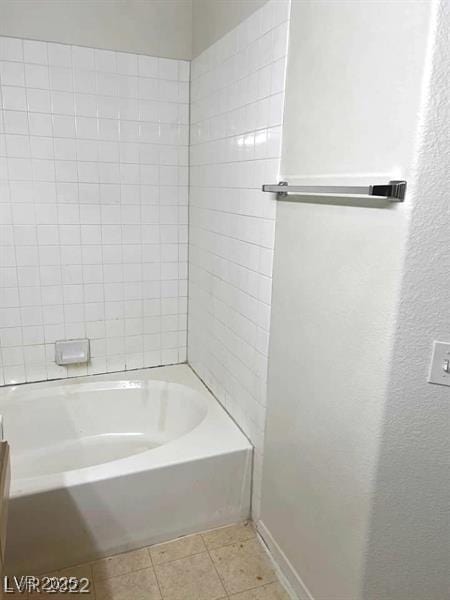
(154, 571)
(91, 579)
(241, 537)
(223, 582)
(175, 559)
(121, 574)
(215, 568)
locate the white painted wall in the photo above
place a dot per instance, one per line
(155, 27)
(93, 208)
(338, 268)
(212, 19)
(409, 535)
(352, 97)
(167, 28)
(237, 93)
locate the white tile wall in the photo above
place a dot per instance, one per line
(93, 208)
(237, 98)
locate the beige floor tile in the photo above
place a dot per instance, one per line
(273, 591)
(121, 564)
(192, 578)
(139, 585)
(83, 571)
(89, 595)
(12, 586)
(79, 571)
(229, 535)
(181, 548)
(243, 566)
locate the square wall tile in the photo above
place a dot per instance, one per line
(79, 158)
(237, 92)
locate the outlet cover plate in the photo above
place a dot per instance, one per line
(440, 364)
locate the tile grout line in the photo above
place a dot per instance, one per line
(200, 533)
(224, 546)
(215, 569)
(166, 562)
(153, 565)
(93, 582)
(234, 543)
(121, 574)
(154, 572)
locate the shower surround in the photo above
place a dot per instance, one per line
(237, 99)
(94, 172)
(93, 208)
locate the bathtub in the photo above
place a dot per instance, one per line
(105, 464)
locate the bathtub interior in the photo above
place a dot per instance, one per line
(67, 427)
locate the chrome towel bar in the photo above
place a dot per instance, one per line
(394, 191)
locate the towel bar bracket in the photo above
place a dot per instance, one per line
(395, 190)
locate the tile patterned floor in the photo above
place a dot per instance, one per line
(226, 563)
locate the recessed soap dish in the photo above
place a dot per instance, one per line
(71, 352)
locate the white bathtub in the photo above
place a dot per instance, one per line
(108, 463)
